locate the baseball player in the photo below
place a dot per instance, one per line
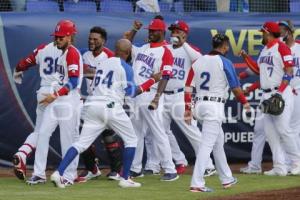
(286, 32)
(184, 55)
(62, 103)
(259, 138)
(148, 59)
(46, 57)
(275, 66)
(96, 54)
(213, 74)
(113, 80)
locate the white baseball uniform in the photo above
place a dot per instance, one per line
(149, 59)
(174, 104)
(295, 84)
(64, 111)
(46, 57)
(212, 76)
(259, 138)
(272, 60)
(113, 79)
(94, 60)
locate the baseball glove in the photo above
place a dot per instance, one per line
(274, 105)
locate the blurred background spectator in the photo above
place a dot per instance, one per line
(5, 5)
(261, 6)
(18, 5)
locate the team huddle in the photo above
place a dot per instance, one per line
(136, 91)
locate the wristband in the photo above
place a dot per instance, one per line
(282, 87)
(147, 84)
(188, 100)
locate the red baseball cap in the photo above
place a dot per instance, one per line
(270, 27)
(157, 24)
(181, 25)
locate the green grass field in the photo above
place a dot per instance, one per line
(152, 189)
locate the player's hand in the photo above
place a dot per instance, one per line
(188, 117)
(137, 25)
(154, 103)
(48, 99)
(247, 107)
(246, 91)
(243, 53)
(126, 35)
(156, 76)
(18, 76)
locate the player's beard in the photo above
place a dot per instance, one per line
(63, 47)
(264, 41)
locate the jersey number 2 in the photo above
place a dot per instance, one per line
(206, 77)
(106, 81)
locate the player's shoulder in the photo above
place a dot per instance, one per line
(73, 51)
(283, 48)
(226, 62)
(195, 47)
(41, 47)
(108, 52)
(141, 45)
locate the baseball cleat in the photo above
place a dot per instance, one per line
(169, 177)
(128, 183)
(34, 180)
(114, 176)
(201, 189)
(136, 175)
(150, 172)
(57, 180)
(274, 172)
(180, 168)
(230, 184)
(19, 167)
(249, 170)
(90, 175)
(210, 172)
(67, 183)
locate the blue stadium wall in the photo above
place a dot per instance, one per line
(20, 33)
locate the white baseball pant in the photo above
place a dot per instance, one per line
(212, 114)
(98, 117)
(152, 119)
(281, 138)
(65, 113)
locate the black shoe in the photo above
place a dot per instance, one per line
(150, 172)
(136, 175)
(210, 172)
(34, 180)
(169, 177)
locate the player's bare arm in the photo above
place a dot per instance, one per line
(239, 95)
(137, 25)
